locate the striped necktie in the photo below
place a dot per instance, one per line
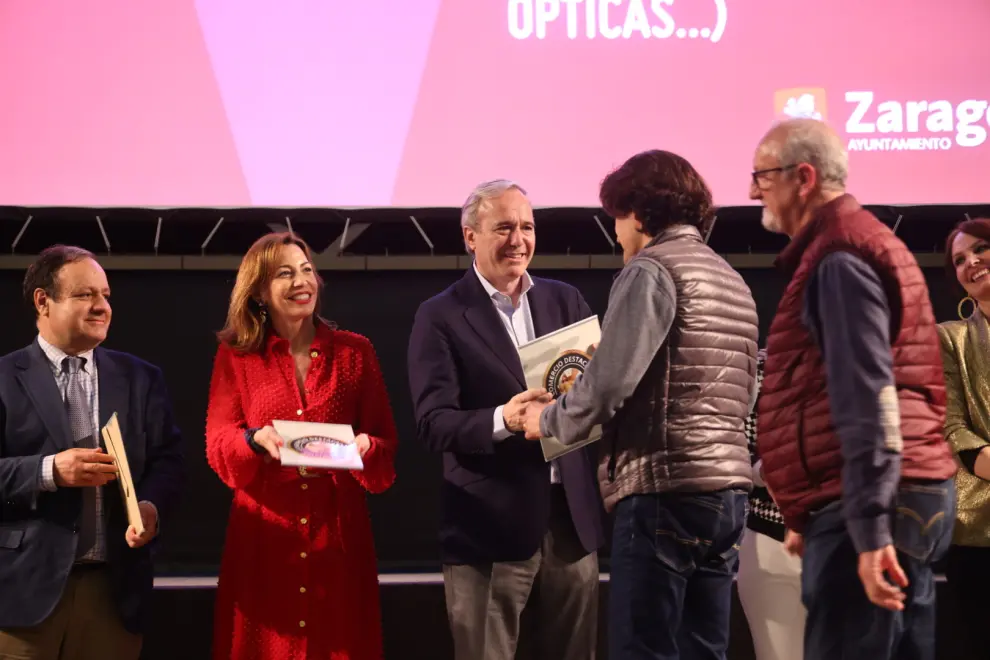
(84, 435)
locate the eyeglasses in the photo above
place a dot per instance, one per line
(758, 174)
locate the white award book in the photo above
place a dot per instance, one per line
(554, 362)
(313, 445)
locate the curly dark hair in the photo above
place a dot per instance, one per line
(977, 228)
(662, 189)
(43, 273)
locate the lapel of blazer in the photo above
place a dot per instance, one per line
(113, 397)
(542, 309)
(482, 317)
(36, 377)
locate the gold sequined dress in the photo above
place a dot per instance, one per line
(966, 358)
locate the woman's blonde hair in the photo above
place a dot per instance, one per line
(246, 322)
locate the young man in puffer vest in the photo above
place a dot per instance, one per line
(672, 381)
(851, 408)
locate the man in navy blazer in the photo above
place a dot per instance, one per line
(515, 530)
(76, 577)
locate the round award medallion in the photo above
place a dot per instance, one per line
(563, 371)
(317, 446)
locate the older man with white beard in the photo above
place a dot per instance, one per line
(851, 408)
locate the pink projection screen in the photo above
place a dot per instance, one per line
(358, 103)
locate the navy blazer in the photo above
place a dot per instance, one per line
(39, 529)
(495, 496)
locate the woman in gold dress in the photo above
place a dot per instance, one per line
(966, 356)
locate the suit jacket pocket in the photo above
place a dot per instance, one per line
(11, 539)
(462, 477)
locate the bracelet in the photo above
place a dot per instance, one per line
(255, 447)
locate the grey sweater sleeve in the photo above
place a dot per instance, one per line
(640, 313)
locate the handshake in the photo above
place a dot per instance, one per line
(522, 412)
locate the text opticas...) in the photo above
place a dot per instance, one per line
(610, 19)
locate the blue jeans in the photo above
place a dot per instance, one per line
(674, 559)
(842, 623)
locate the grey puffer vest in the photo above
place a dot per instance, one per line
(683, 429)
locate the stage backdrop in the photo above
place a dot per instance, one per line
(168, 318)
(413, 102)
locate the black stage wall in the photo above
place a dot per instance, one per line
(168, 318)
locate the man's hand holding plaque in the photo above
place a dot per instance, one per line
(554, 363)
(149, 518)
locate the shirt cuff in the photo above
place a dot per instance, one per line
(158, 520)
(48, 474)
(152, 505)
(869, 534)
(499, 432)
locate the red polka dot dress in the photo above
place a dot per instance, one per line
(298, 578)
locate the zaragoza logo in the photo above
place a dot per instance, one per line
(800, 102)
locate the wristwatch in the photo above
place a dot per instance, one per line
(255, 447)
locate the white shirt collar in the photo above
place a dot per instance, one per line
(56, 355)
(527, 282)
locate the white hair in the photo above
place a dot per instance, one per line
(813, 142)
(481, 197)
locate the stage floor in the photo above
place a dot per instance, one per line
(413, 615)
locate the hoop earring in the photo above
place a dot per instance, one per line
(959, 308)
(264, 315)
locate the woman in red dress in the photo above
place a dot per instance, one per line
(298, 579)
